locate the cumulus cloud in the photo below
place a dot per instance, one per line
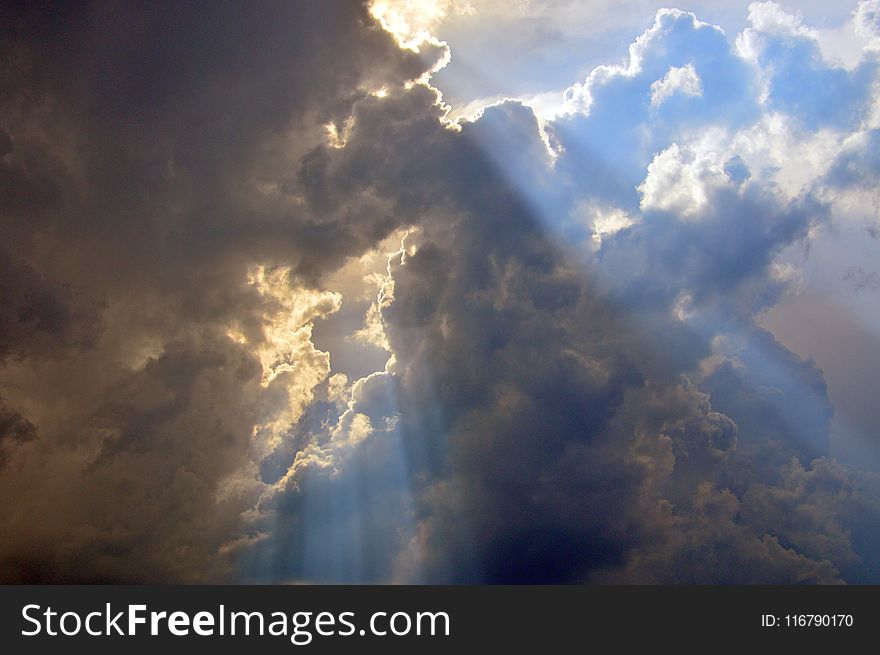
(678, 79)
(161, 268)
(677, 185)
(797, 79)
(543, 427)
(575, 387)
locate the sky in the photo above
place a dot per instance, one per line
(435, 291)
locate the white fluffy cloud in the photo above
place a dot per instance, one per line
(681, 182)
(678, 79)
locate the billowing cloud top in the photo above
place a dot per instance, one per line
(270, 314)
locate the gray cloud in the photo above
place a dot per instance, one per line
(552, 412)
(149, 159)
(557, 419)
(14, 429)
(549, 427)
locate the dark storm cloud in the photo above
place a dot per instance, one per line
(146, 466)
(553, 428)
(575, 450)
(148, 156)
(550, 413)
(556, 426)
(14, 429)
(37, 316)
(172, 128)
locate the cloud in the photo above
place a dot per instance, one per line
(867, 22)
(553, 407)
(861, 279)
(551, 430)
(162, 269)
(38, 317)
(15, 430)
(613, 130)
(858, 163)
(679, 186)
(678, 79)
(797, 79)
